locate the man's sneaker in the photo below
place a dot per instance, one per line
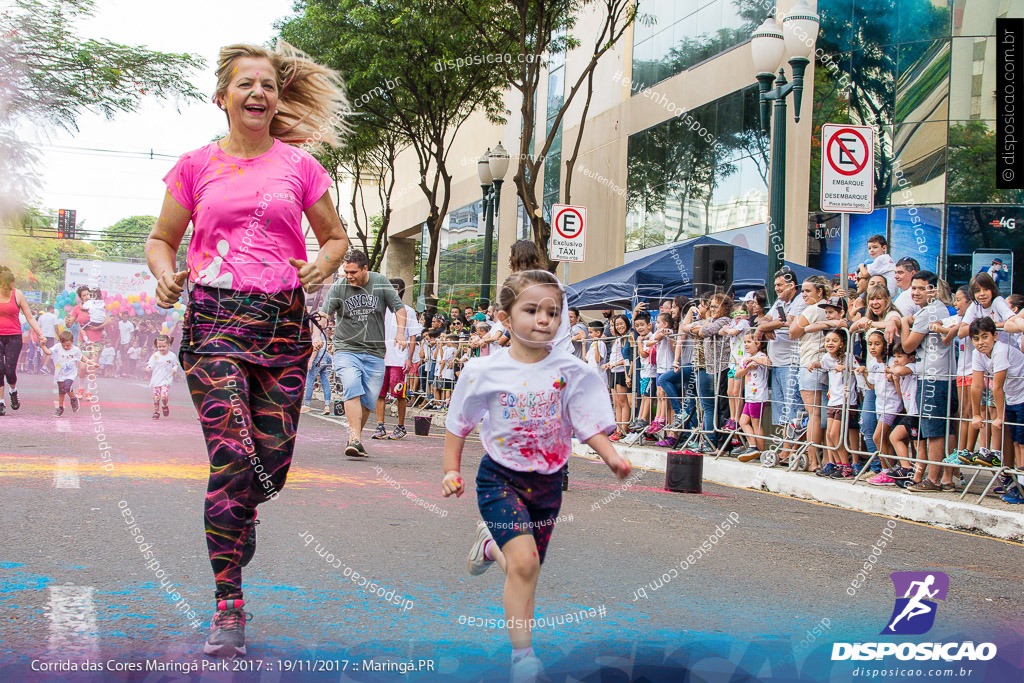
(56, 413)
(15, 403)
(399, 433)
(526, 670)
(248, 540)
(924, 486)
(75, 403)
(355, 449)
(1014, 496)
(882, 479)
(477, 561)
(965, 457)
(826, 471)
(227, 629)
(304, 409)
(987, 458)
(842, 472)
(381, 433)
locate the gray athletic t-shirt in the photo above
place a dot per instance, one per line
(934, 359)
(360, 313)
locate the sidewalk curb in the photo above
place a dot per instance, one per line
(951, 514)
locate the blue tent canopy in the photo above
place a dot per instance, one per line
(667, 274)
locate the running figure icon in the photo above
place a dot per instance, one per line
(916, 596)
(915, 607)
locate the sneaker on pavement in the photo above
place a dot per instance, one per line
(882, 479)
(655, 427)
(326, 410)
(75, 403)
(842, 472)
(748, 454)
(15, 402)
(1014, 496)
(227, 629)
(825, 471)
(381, 433)
(640, 426)
(615, 436)
(355, 449)
(477, 561)
(304, 409)
(667, 442)
(1004, 485)
(56, 413)
(166, 410)
(156, 415)
(248, 540)
(526, 670)
(987, 458)
(399, 433)
(965, 457)
(924, 486)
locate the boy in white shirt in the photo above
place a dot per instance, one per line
(107, 359)
(880, 262)
(597, 350)
(66, 359)
(448, 366)
(1006, 365)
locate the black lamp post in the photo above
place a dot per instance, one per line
(491, 169)
(768, 44)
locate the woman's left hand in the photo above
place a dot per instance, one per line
(309, 274)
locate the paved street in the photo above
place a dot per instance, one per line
(75, 586)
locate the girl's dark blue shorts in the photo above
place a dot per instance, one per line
(515, 503)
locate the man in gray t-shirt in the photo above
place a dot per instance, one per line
(577, 332)
(359, 301)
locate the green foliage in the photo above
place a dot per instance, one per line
(128, 237)
(971, 166)
(38, 264)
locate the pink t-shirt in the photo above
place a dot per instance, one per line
(246, 214)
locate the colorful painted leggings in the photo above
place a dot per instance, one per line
(159, 394)
(249, 414)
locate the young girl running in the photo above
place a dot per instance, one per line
(888, 402)
(164, 367)
(753, 372)
(531, 399)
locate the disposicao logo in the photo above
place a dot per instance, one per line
(914, 614)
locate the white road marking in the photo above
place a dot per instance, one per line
(63, 426)
(65, 475)
(73, 631)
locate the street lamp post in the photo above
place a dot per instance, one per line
(491, 169)
(768, 44)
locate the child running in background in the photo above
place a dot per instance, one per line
(888, 402)
(66, 359)
(753, 372)
(163, 364)
(134, 353)
(740, 324)
(107, 359)
(531, 400)
(842, 390)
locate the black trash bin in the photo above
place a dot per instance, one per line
(684, 471)
(421, 425)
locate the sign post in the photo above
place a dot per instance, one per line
(568, 233)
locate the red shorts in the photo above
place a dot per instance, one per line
(965, 381)
(394, 382)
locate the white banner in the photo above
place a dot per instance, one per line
(111, 277)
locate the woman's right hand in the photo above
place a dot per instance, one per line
(168, 288)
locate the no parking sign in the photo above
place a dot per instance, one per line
(847, 168)
(568, 233)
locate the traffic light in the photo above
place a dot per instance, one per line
(66, 224)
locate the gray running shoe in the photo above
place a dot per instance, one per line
(478, 562)
(227, 629)
(355, 449)
(381, 433)
(399, 433)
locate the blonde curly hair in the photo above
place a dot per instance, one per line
(312, 101)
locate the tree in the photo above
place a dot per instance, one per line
(38, 264)
(396, 51)
(127, 237)
(536, 29)
(49, 75)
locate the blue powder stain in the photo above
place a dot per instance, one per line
(10, 565)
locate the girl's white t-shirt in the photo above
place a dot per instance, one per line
(616, 355)
(107, 356)
(999, 311)
(134, 352)
(530, 410)
(887, 397)
(736, 343)
(648, 370)
(65, 363)
(961, 347)
(448, 360)
(842, 384)
(665, 354)
(908, 390)
(755, 382)
(163, 366)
